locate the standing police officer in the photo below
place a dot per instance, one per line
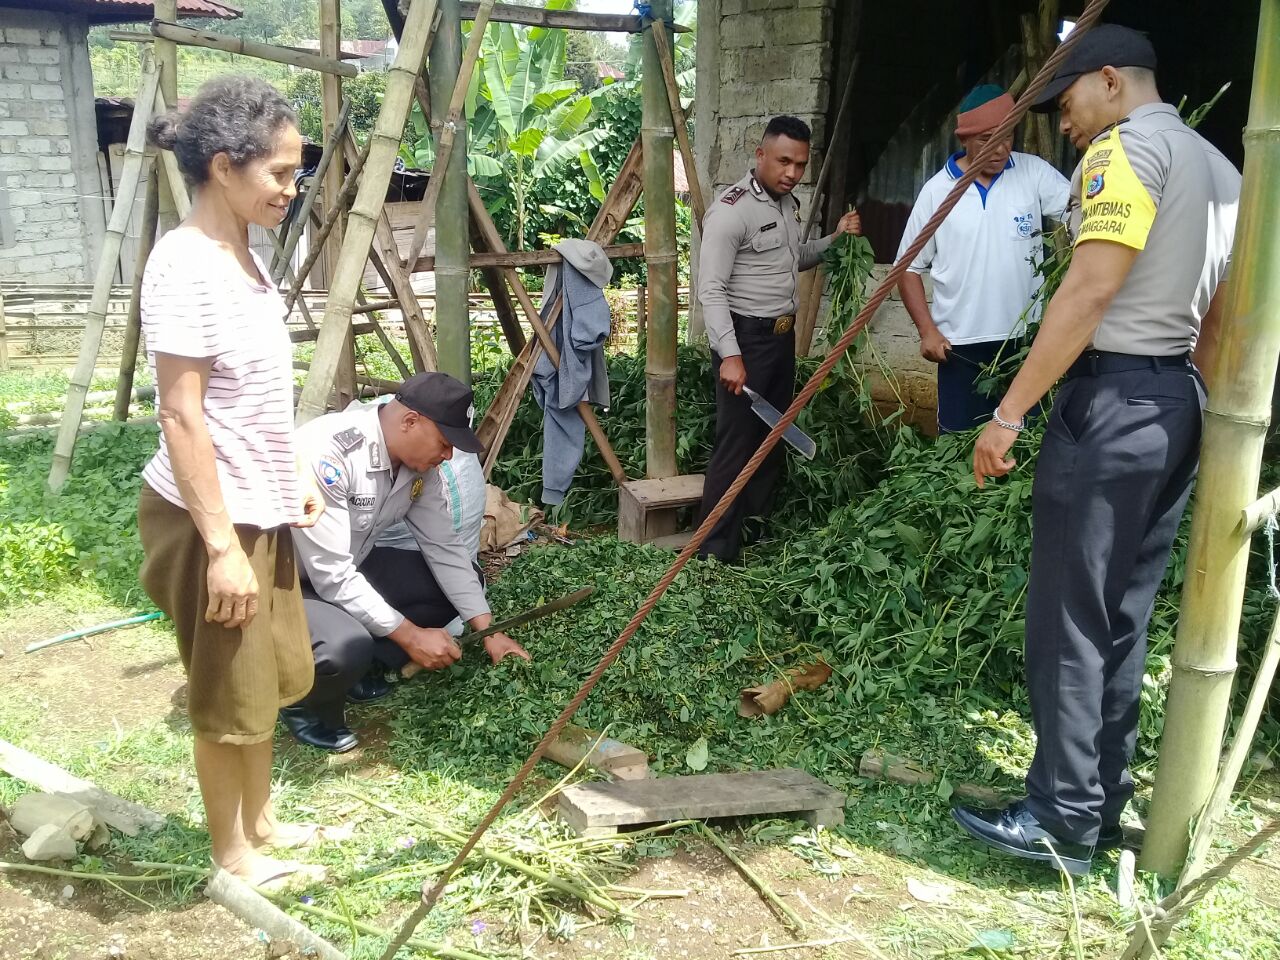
(750, 260)
(376, 465)
(1153, 225)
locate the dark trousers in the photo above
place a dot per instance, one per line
(960, 406)
(770, 360)
(344, 650)
(1119, 455)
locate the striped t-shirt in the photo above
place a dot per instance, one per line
(197, 302)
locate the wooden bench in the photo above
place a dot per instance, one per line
(647, 508)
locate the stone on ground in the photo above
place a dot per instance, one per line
(50, 843)
(36, 810)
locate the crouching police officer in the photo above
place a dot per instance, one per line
(371, 608)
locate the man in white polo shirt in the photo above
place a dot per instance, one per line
(983, 258)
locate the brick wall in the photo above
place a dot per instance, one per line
(50, 221)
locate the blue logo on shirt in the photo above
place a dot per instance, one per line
(329, 472)
(1025, 225)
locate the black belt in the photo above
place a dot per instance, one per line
(777, 325)
(1094, 362)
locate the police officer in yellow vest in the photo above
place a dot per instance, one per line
(751, 257)
(1133, 326)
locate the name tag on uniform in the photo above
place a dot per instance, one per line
(364, 501)
(769, 226)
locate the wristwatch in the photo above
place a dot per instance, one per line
(999, 421)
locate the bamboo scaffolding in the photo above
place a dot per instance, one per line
(133, 326)
(503, 305)
(289, 277)
(657, 133)
(541, 331)
(609, 220)
(95, 321)
(1231, 455)
(563, 19)
(344, 381)
(281, 262)
(166, 57)
(527, 258)
(365, 211)
(251, 48)
(697, 199)
(448, 132)
(1254, 515)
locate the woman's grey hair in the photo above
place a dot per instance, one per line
(238, 115)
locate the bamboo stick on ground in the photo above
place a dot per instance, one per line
(383, 144)
(789, 917)
(95, 320)
(448, 130)
(1235, 428)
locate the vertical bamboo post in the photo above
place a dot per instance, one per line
(453, 250)
(1231, 454)
(657, 133)
(166, 54)
(96, 318)
(4, 338)
(331, 112)
(133, 326)
(367, 208)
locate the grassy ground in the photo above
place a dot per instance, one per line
(897, 880)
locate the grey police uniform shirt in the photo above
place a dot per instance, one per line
(1154, 184)
(750, 259)
(363, 496)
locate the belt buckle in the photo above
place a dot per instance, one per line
(784, 324)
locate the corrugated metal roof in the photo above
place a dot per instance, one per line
(125, 11)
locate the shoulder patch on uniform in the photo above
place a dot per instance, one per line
(733, 195)
(349, 438)
(330, 471)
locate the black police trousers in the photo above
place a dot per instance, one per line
(1120, 451)
(345, 650)
(770, 360)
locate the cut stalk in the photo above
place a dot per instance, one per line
(789, 917)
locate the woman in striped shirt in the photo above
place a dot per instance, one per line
(224, 487)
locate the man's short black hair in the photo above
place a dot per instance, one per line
(792, 127)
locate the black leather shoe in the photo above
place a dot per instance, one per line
(307, 728)
(1109, 838)
(1015, 831)
(372, 686)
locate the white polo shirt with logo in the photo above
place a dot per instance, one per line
(983, 257)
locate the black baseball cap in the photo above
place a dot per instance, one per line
(1106, 45)
(446, 402)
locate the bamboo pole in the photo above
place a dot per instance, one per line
(542, 332)
(133, 326)
(697, 199)
(527, 258)
(96, 318)
(251, 48)
(4, 338)
(1234, 761)
(172, 184)
(365, 211)
(281, 262)
(290, 278)
(1231, 454)
(503, 305)
(561, 19)
(166, 58)
(331, 110)
(1254, 515)
(448, 131)
(657, 133)
(453, 336)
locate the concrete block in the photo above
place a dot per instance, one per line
(797, 97)
(53, 74)
(54, 246)
(67, 260)
(14, 164)
(9, 54)
(811, 61)
(754, 5)
(22, 71)
(53, 164)
(729, 8)
(46, 91)
(13, 91)
(765, 63)
(44, 56)
(745, 30)
(31, 110)
(48, 213)
(14, 128)
(36, 145)
(23, 36)
(741, 99)
(50, 128)
(799, 26)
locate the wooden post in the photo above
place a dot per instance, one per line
(365, 211)
(657, 133)
(503, 305)
(448, 133)
(166, 56)
(697, 199)
(642, 313)
(96, 318)
(133, 326)
(1235, 427)
(331, 109)
(453, 336)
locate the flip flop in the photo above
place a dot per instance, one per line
(312, 835)
(288, 875)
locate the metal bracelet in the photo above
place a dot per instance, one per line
(999, 421)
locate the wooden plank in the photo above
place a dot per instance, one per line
(667, 491)
(600, 807)
(619, 760)
(530, 258)
(251, 48)
(115, 812)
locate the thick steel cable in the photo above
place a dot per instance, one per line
(432, 890)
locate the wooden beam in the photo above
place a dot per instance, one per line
(564, 19)
(503, 305)
(251, 48)
(166, 56)
(530, 258)
(312, 334)
(299, 226)
(697, 199)
(367, 209)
